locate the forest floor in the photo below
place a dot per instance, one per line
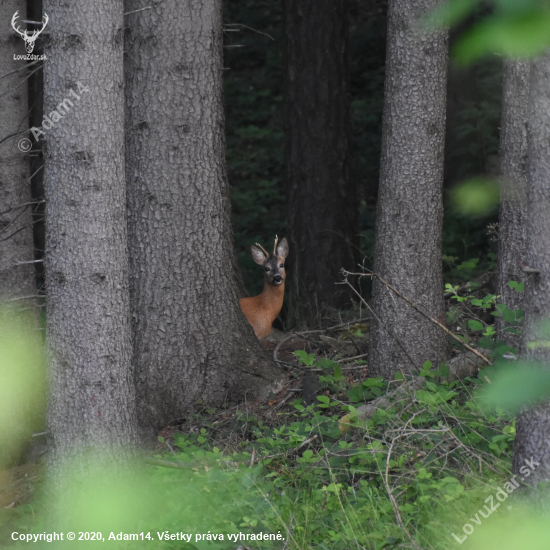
(337, 459)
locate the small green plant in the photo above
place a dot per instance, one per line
(332, 377)
(471, 323)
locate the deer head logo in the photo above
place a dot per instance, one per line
(29, 39)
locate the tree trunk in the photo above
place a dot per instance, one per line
(322, 201)
(17, 274)
(513, 189)
(533, 426)
(410, 208)
(192, 343)
(88, 316)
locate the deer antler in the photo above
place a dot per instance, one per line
(263, 249)
(275, 245)
(16, 29)
(45, 20)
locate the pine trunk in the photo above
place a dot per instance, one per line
(192, 343)
(532, 441)
(513, 189)
(410, 207)
(88, 316)
(17, 274)
(322, 202)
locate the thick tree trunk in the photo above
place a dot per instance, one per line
(17, 275)
(322, 201)
(88, 316)
(533, 426)
(513, 189)
(410, 209)
(192, 342)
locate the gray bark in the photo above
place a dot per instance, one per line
(192, 343)
(322, 198)
(513, 189)
(88, 317)
(410, 208)
(533, 426)
(17, 274)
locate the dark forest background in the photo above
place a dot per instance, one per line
(255, 132)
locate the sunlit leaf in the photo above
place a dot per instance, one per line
(517, 385)
(526, 35)
(476, 197)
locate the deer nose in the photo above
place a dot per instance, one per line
(277, 279)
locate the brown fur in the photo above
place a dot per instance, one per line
(263, 309)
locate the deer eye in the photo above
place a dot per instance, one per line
(267, 268)
(281, 265)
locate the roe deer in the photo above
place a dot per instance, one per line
(263, 309)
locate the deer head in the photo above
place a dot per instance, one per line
(29, 39)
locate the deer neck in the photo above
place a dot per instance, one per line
(272, 296)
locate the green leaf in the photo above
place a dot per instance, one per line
(326, 364)
(518, 287)
(355, 394)
(513, 386)
(427, 398)
(475, 325)
(476, 197)
(306, 358)
(511, 35)
(507, 314)
(373, 382)
(469, 264)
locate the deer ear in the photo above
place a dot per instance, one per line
(257, 255)
(282, 249)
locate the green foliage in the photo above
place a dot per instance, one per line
(318, 487)
(512, 28)
(474, 326)
(522, 383)
(476, 197)
(518, 287)
(332, 377)
(22, 383)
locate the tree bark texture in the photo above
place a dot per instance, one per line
(92, 400)
(533, 426)
(513, 189)
(17, 274)
(322, 202)
(192, 342)
(410, 208)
